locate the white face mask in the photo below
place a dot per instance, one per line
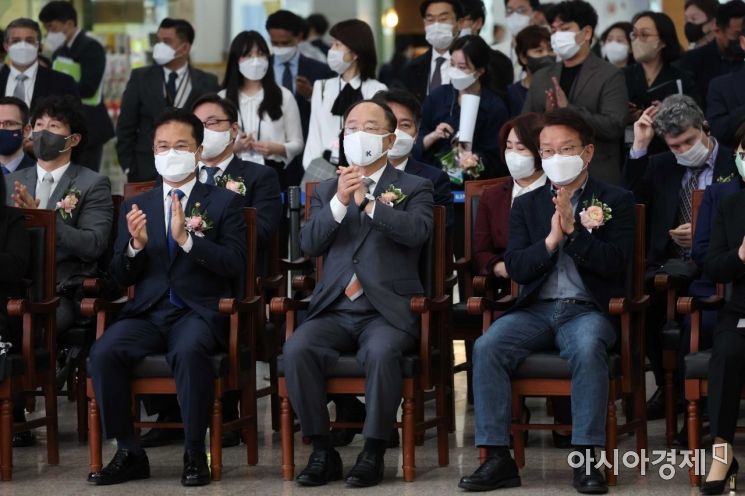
(254, 68)
(465, 32)
(564, 44)
(163, 54)
(214, 143)
(520, 166)
(517, 22)
(363, 148)
(694, 156)
(284, 53)
(174, 165)
(23, 53)
(615, 51)
(336, 61)
(439, 35)
(459, 79)
(562, 169)
(402, 146)
(55, 40)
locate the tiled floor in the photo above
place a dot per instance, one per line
(546, 470)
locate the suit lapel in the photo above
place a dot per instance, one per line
(585, 75)
(4, 73)
(390, 174)
(66, 182)
(723, 164)
(199, 195)
(154, 207)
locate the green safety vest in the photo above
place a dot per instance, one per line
(71, 68)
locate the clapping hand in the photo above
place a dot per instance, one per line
(22, 198)
(349, 182)
(178, 221)
(137, 227)
(563, 203)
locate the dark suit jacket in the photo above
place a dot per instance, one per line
(603, 257)
(656, 182)
(15, 252)
(725, 105)
(83, 237)
(442, 106)
(142, 102)
(722, 262)
(384, 250)
(705, 63)
(415, 76)
(201, 277)
(665, 84)
(599, 95)
(92, 59)
(441, 182)
(48, 82)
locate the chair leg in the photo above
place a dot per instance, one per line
(50, 405)
(640, 415)
(274, 397)
(419, 413)
(94, 430)
(216, 439)
(694, 442)
(81, 398)
(287, 432)
(671, 417)
(611, 436)
(518, 445)
(409, 427)
(442, 407)
(251, 432)
(6, 438)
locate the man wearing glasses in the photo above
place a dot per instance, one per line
(14, 130)
(371, 243)
(568, 271)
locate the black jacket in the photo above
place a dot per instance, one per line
(725, 105)
(722, 262)
(48, 82)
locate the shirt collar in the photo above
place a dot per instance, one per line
(577, 194)
(259, 95)
(72, 40)
(185, 188)
(30, 72)
(710, 162)
(15, 162)
(356, 82)
(402, 165)
(179, 72)
(222, 165)
(518, 190)
(56, 173)
(436, 55)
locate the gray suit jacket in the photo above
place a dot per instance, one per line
(599, 95)
(82, 238)
(384, 250)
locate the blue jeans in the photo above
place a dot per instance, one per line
(582, 335)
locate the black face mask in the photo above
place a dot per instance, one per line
(536, 63)
(47, 145)
(694, 32)
(734, 50)
(10, 141)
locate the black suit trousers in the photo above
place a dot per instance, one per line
(314, 349)
(185, 339)
(726, 375)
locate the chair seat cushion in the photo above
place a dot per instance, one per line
(549, 365)
(11, 365)
(347, 366)
(697, 365)
(77, 336)
(671, 336)
(157, 366)
(464, 321)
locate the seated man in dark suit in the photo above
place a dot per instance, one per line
(171, 82)
(664, 183)
(81, 198)
(14, 130)
(568, 268)
(180, 267)
(725, 101)
(371, 250)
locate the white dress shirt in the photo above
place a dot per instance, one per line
(518, 190)
(10, 86)
(72, 40)
(183, 84)
(324, 129)
(287, 130)
(222, 166)
(402, 165)
(443, 68)
(339, 210)
(56, 175)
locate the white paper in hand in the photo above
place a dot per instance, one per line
(469, 109)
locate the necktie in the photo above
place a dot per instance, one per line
(287, 76)
(44, 190)
(210, 171)
(172, 246)
(354, 287)
(5, 170)
(685, 208)
(171, 87)
(20, 91)
(436, 80)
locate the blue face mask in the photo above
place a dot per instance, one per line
(10, 141)
(740, 165)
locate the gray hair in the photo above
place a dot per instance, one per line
(23, 22)
(677, 114)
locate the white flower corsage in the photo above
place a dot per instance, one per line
(198, 222)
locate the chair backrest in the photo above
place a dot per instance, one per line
(473, 191)
(638, 262)
(249, 215)
(310, 187)
(134, 189)
(42, 269)
(433, 262)
(696, 199)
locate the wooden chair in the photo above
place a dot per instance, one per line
(673, 287)
(423, 371)
(134, 189)
(235, 369)
(33, 367)
(547, 374)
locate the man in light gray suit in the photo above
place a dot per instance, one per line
(371, 243)
(81, 198)
(583, 82)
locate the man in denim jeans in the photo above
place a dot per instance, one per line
(570, 243)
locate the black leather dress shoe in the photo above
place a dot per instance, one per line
(589, 484)
(196, 472)
(656, 405)
(367, 472)
(323, 467)
(231, 438)
(24, 439)
(124, 467)
(156, 438)
(496, 472)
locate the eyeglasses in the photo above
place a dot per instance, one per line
(519, 10)
(367, 129)
(12, 125)
(565, 151)
(180, 147)
(643, 36)
(213, 122)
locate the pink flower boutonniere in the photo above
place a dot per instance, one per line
(235, 185)
(458, 163)
(198, 222)
(392, 196)
(68, 203)
(595, 214)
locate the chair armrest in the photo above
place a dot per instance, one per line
(91, 307)
(303, 283)
(463, 263)
(230, 306)
(664, 281)
(620, 306)
(478, 304)
(271, 282)
(421, 304)
(297, 264)
(690, 304)
(282, 305)
(240, 333)
(19, 307)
